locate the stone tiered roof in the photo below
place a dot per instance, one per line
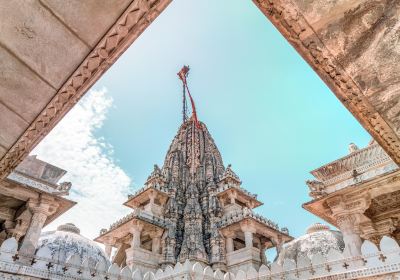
(245, 213)
(41, 176)
(229, 175)
(145, 188)
(136, 214)
(360, 165)
(223, 188)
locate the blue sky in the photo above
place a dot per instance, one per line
(271, 116)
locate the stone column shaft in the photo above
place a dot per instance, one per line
(136, 231)
(229, 244)
(35, 228)
(155, 246)
(351, 236)
(263, 256)
(40, 211)
(135, 239)
(248, 238)
(108, 250)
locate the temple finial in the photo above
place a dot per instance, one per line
(182, 74)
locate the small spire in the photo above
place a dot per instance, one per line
(352, 148)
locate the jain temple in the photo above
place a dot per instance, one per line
(193, 219)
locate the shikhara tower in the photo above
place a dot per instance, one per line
(192, 208)
(192, 167)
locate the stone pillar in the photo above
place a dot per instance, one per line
(156, 242)
(248, 238)
(155, 246)
(349, 214)
(108, 250)
(277, 241)
(40, 211)
(109, 243)
(229, 242)
(351, 235)
(248, 230)
(263, 249)
(136, 232)
(232, 196)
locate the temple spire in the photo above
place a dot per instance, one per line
(182, 74)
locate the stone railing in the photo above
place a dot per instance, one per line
(374, 263)
(224, 187)
(141, 215)
(238, 215)
(146, 187)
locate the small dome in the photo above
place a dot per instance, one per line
(67, 241)
(318, 239)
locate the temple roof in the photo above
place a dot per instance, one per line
(359, 165)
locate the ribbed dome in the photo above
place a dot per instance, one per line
(318, 239)
(67, 241)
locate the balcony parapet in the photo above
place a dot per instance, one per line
(377, 263)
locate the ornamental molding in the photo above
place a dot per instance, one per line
(121, 35)
(286, 17)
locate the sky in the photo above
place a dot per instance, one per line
(269, 113)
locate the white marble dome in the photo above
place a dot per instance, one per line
(318, 239)
(67, 241)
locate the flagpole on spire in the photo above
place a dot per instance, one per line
(182, 74)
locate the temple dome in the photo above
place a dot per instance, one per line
(67, 241)
(318, 239)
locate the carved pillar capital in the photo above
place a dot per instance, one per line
(40, 209)
(152, 195)
(248, 229)
(228, 234)
(45, 206)
(248, 226)
(232, 196)
(137, 226)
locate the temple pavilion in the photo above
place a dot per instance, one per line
(192, 208)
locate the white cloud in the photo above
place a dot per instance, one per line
(99, 184)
